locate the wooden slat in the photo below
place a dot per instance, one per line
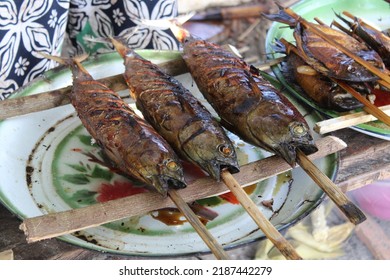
(348, 120)
(57, 224)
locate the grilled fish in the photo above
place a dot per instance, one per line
(324, 92)
(328, 59)
(377, 40)
(132, 145)
(177, 115)
(247, 103)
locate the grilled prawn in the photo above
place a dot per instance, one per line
(247, 104)
(177, 115)
(132, 145)
(328, 59)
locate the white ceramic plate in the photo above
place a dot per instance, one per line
(46, 166)
(375, 12)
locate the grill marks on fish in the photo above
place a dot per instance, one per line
(326, 58)
(247, 104)
(178, 116)
(319, 88)
(131, 144)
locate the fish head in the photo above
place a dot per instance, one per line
(161, 170)
(281, 129)
(212, 151)
(297, 136)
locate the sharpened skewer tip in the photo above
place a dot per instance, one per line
(354, 214)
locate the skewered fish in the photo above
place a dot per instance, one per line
(377, 40)
(326, 58)
(247, 104)
(177, 115)
(320, 89)
(132, 145)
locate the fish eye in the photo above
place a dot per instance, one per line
(351, 69)
(298, 129)
(225, 149)
(171, 164)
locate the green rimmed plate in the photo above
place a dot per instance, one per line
(375, 12)
(48, 163)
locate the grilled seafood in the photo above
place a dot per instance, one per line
(132, 145)
(319, 88)
(377, 40)
(247, 104)
(177, 115)
(326, 58)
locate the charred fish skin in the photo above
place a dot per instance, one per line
(178, 116)
(128, 141)
(247, 104)
(377, 40)
(317, 87)
(326, 58)
(340, 65)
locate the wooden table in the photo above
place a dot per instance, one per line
(365, 160)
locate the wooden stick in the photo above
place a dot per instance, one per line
(385, 77)
(199, 227)
(13, 107)
(19, 106)
(342, 28)
(287, 250)
(345, 121)
(57, 224)
(351, 16)
(351, 211)
(368, 106)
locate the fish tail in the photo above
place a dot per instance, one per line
(121, 46)
(119, 42)
(279, 47)
(65, 60)
(175, 24)
(72, 62)
(347, 22)
(60, 60)
(281, 16)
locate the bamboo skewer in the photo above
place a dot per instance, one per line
(348, 120)
(287, 250)
(57, 224)
(368, 106)
(385, 77)
(13, 107)
(199, 227)
(351, 16)
(351, 211)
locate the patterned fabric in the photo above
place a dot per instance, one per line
(28, 27)
(103, 18)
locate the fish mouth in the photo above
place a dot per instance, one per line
(214, 168)
(345, 102)
(288, 151)
(162, 183)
